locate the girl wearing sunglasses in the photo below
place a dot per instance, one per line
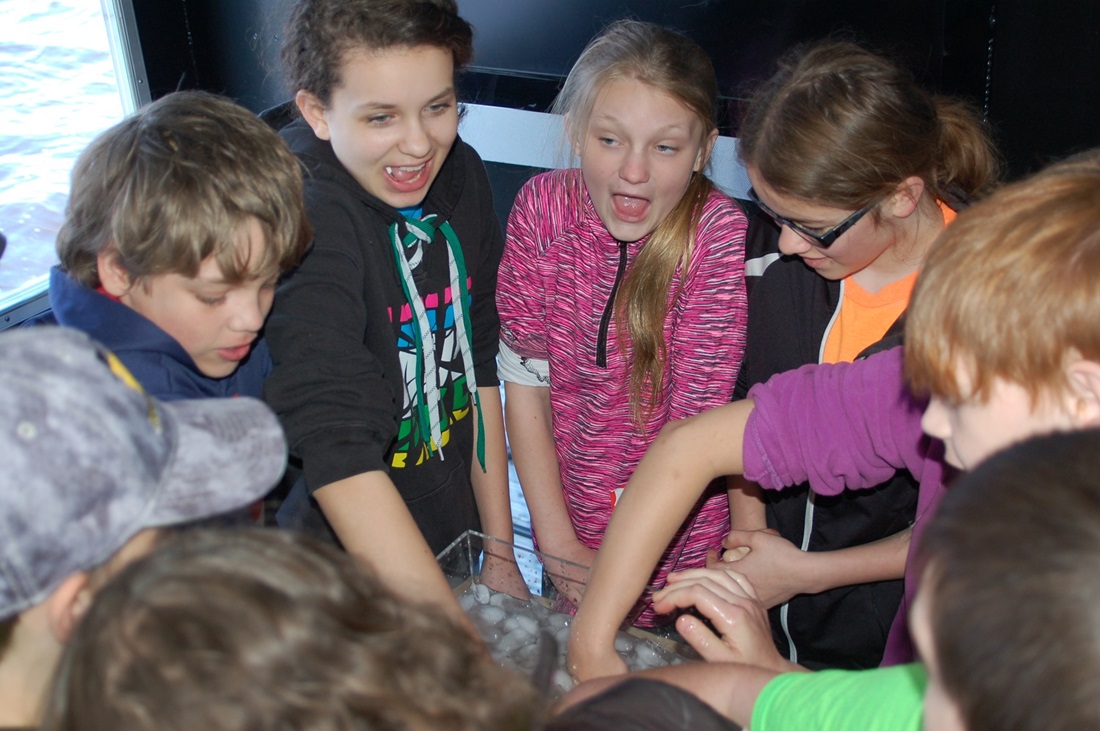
(861, 169)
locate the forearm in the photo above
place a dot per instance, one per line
(730, 689)
(681, 462)
(746, 504)
(880, 560)
(530, 433)
(491, 485)
(372, 521)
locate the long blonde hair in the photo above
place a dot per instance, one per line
(674, 65)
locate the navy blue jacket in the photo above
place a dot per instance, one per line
(158, 362)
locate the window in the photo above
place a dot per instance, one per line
(62, 82)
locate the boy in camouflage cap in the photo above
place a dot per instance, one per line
(93, 467)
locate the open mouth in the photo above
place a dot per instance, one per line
(405, 178)
(629, 208)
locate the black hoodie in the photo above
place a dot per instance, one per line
(340, 337)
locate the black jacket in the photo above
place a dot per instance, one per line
(790, 307)
(340, 338)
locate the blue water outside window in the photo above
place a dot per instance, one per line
(61, 86)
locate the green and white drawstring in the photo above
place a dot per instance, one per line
(420, 232)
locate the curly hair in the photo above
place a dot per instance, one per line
(320, 33)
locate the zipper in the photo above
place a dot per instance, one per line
(808, 519)
(609, 309)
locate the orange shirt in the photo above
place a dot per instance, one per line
(864, 317)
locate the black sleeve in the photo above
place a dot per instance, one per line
(327, 386)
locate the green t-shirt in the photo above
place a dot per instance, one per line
(883, 699)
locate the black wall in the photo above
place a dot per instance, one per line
(1031, 65)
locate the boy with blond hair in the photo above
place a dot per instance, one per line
(1002, 334)
(93, 469)
(179, 222)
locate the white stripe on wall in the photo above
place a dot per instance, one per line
(534, 139)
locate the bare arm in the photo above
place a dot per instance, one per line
(374, 524)
(499, 571)
(746, 504)
(780, 570)
(686, 456)
(729, 688)
(530, 432)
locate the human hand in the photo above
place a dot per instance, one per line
(569, 574)
(500, 572)
(771, 563)
(730, 602)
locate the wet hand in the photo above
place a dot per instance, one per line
(729, 601)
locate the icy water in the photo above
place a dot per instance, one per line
(58, 86)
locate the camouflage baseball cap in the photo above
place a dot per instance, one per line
(87, 459)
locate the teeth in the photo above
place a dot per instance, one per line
(405, 168)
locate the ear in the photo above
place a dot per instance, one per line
(906, 197)
(570, 132)
(67, 604)
(314, 112)
(112, 274)
(1084, 380)
(704, 151)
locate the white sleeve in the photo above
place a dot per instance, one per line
(514, 368)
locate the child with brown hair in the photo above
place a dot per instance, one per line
(861, 168)
(180, 220)
(260, 629)
(385, 337)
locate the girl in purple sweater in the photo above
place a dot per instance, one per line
(621, 294)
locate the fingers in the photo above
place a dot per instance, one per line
(721, 579)
(735, 554)
(709, 645)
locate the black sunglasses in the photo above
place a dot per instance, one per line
(824, 240)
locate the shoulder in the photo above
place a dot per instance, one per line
(721, 227)
(552, 186)
(548, 205)
(882, 698)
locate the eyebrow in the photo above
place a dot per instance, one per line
(668, 131)
(370, 106)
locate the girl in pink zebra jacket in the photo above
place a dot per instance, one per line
(621, 295)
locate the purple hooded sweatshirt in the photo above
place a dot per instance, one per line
(848, 426)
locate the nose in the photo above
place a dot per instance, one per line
(791, 242)
(634, 168)
(252, 310)
(934, 422)
(415, 141)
